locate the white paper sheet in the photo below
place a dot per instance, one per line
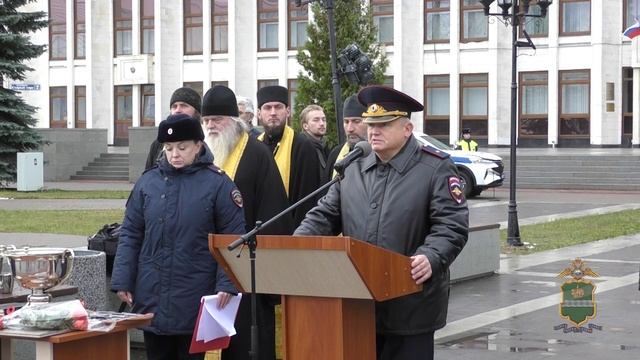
(216, 323)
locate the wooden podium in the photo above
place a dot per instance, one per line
(329, 285)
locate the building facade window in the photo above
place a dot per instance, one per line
(631, 13)
(58, 107)
(57, 30)
(627, 103)
(534, 105)
(81, 107)
(148, 102)
(575, 17)
(79, 29)
(219, 26)
(267, 25)
(292, 86)
(196, 85)
(436, 100)
(268, 82)
(436, 21)
(216, 83)
(473, 103)
(147, 35)
(193, 27)
(382, 11)
(122, 19)
(535, 26)
(123, 114)
(574, 103)
(473, 24)
(298, 19)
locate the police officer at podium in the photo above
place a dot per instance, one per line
(405, 198)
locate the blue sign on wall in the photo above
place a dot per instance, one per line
(25, 87)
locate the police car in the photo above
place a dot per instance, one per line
(478, 170)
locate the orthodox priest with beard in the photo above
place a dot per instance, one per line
(295, 155)
(251, 166)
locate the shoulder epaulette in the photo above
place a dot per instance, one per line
(215, 169)
(434, 152)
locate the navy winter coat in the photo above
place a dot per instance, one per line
(163, 257)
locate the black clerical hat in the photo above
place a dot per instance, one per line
(179, 127)
(219, 100)
(352, 107)
(272, 93)
(386, 104)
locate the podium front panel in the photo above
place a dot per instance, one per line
(302, 272)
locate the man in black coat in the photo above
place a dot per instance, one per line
(294, 154)
(405, 198)
(184, 100)
(250, 165)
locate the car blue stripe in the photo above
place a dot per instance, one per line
(462, 160)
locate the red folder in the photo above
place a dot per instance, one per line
(199, 346)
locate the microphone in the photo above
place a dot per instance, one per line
(361, 149)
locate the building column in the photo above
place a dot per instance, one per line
(605, 122)
(168, 45)
(635, 140)
(100, 93)
(243, 33)
(454, 72)
(499, 85)
(206, 45)
(70, 29)
(408, 40)
(553, 97)
(283, 43)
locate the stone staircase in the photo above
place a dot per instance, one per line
(108, 167)
(620, 172)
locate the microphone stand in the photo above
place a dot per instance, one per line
(249, 239)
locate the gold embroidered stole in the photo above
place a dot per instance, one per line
(344, 151)
(230, 166)
(282, 155)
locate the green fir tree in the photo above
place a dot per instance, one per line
(354, 24)
(16, 116)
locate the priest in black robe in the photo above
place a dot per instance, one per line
(354, 129)
(294, 154)
(251, 166)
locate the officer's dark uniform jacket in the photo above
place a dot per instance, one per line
(405, 206)
(163, 254)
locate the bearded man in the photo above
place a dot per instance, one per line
(294, 154)
(354, 128)
(251, 166)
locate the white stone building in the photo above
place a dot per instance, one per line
(114, 64)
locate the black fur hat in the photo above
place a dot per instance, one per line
(179, 127)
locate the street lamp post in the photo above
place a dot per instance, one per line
(519, 11)
(335, 80)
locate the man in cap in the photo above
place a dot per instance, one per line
(354, 128)
(251, 166)
(466, 143)
(184, 100)
(405, 198)
(246, 113)
(294, 154)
